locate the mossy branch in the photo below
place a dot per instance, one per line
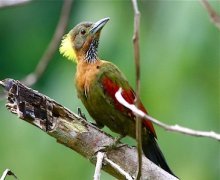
(74, 132)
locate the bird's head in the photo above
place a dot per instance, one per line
(82, 41)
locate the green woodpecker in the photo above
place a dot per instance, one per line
(98, 80)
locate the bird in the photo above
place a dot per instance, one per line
(98, 80)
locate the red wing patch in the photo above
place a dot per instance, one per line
(110, 88)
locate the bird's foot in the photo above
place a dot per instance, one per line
(80, 113)
(114, 145)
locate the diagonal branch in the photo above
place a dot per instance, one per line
(76, 133)
(33, 77)
(119, 169)
(215, 18)
(6, 173)
(172, 128)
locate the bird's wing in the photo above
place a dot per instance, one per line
(111, 80)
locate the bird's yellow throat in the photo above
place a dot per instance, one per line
(66, 48)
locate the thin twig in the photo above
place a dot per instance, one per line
(33, 77)
(12, 3)
(7, 172)
(172, 128)
(137, 66)
(118, 168)
(214, 17)
(98, 167)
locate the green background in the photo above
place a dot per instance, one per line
(180, 77)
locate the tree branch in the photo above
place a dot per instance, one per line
(137, 66)
(214, 17)
(6, 173)
(33, 77)
(173, 128)
(74, 132)
(98, 167)
(12, 3)
(119, 169)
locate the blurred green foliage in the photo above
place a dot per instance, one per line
(180, 76)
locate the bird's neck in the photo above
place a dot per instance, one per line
(91, 55)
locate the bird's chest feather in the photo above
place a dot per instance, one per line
(86, 78)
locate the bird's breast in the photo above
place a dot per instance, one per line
(86, 76)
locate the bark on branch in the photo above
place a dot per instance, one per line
(74, 132)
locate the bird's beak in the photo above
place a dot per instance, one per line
(98, 25)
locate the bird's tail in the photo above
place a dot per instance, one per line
(153, 152)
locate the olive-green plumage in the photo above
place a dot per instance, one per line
(99, 103)
(97, 81)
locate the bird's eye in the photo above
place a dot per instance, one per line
(83, 31)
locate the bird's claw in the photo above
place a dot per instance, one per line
(112, 146)
(80, 113)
